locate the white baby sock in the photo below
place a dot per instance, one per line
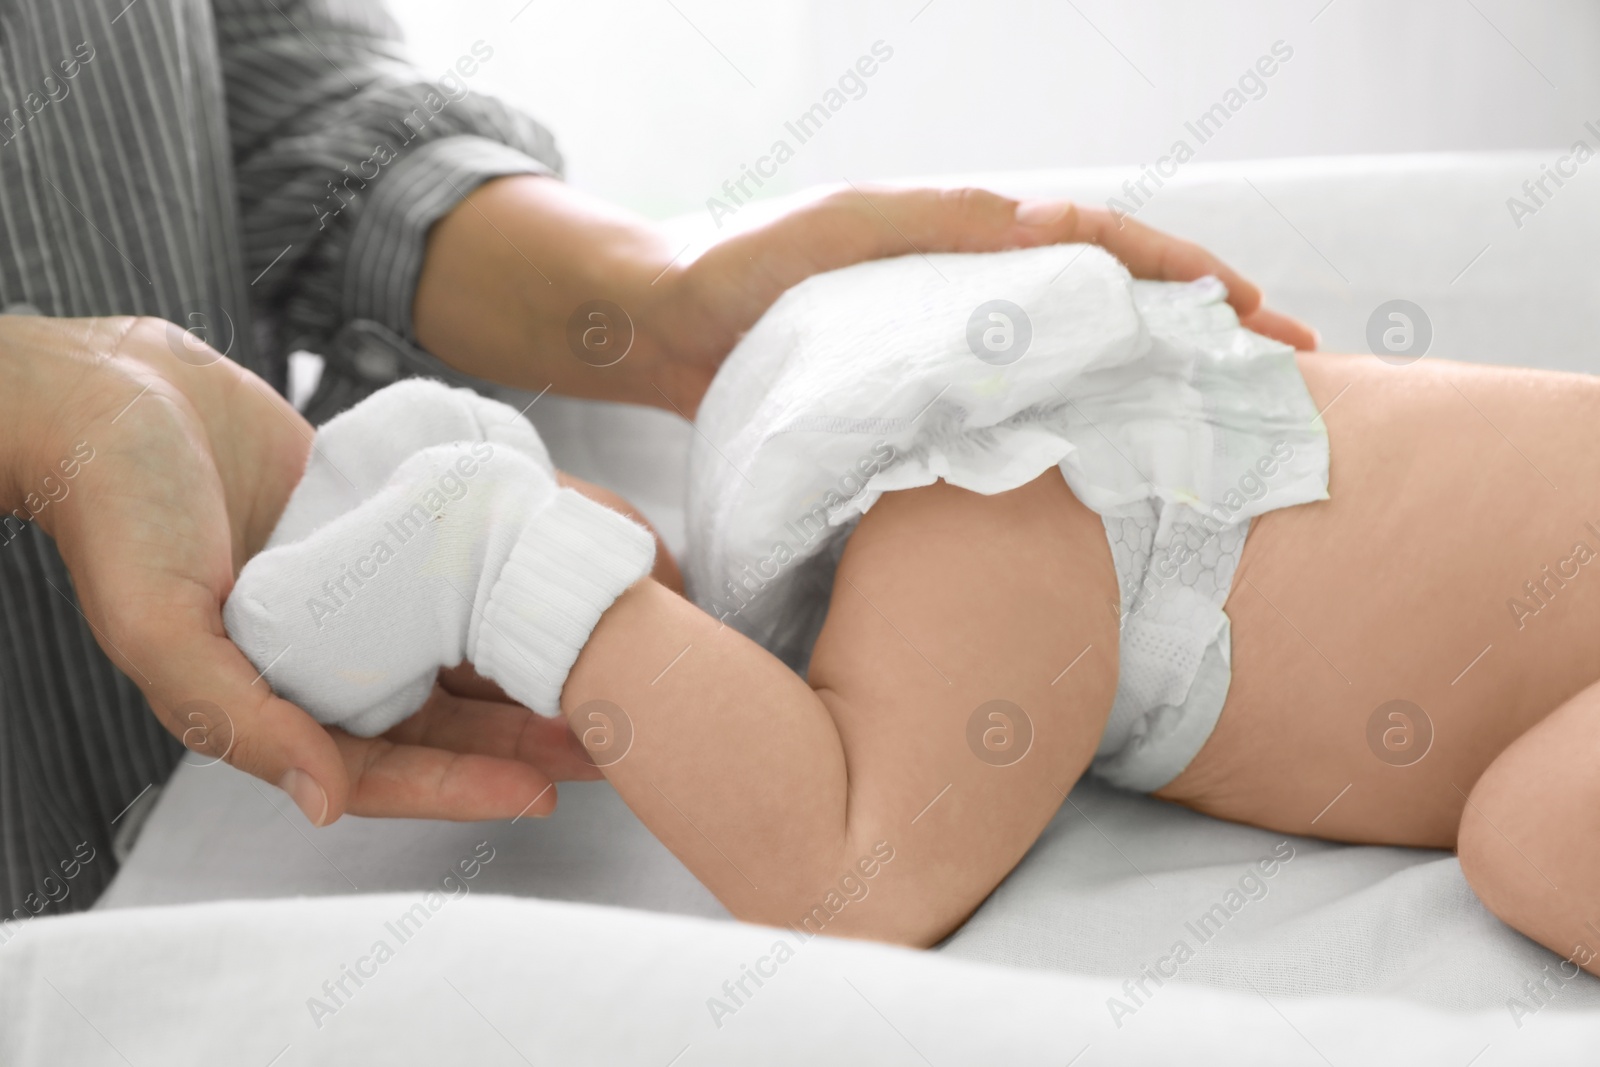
(357, 450)
(468, 550)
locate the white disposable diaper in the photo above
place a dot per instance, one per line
(1165, 417)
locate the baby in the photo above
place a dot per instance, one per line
(966, 527)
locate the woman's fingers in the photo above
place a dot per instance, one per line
(407, 781)
(219, 706)
(1281, 327)
(899, 221)
(497, 728)
(1149, 253)
(457, 758)
(869, 222)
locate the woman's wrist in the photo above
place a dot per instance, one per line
(35, 413)
(17, 396)
(531, 283)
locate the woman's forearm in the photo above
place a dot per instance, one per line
(508, 269)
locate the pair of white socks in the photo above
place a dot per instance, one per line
(429, 529)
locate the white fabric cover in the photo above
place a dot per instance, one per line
(485, 980)
(1107, 890)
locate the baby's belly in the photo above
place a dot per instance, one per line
(1388, 643)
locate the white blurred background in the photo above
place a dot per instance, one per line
(657, 102)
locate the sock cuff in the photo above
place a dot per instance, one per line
(567, 567)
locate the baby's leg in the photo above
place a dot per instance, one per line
(781, 798)
(1529, 833)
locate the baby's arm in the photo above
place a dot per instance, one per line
(856, 805)
(782, 797)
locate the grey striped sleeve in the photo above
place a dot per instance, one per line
(346, 155)
(384, 258)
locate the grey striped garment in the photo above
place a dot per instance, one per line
(178, 158)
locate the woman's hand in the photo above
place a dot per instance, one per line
(193, 459)
(514, 274)
(720, 295)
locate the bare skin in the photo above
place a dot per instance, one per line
(1452, 486)
(1439, 512)
(774, 792)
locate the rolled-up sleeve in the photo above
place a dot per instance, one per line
(346, 153)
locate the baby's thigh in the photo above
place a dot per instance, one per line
(943, 588)
(971, 643)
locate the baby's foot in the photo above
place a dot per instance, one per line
(355, 452)
(468, 551)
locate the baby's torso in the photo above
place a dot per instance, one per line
(1389, 642)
